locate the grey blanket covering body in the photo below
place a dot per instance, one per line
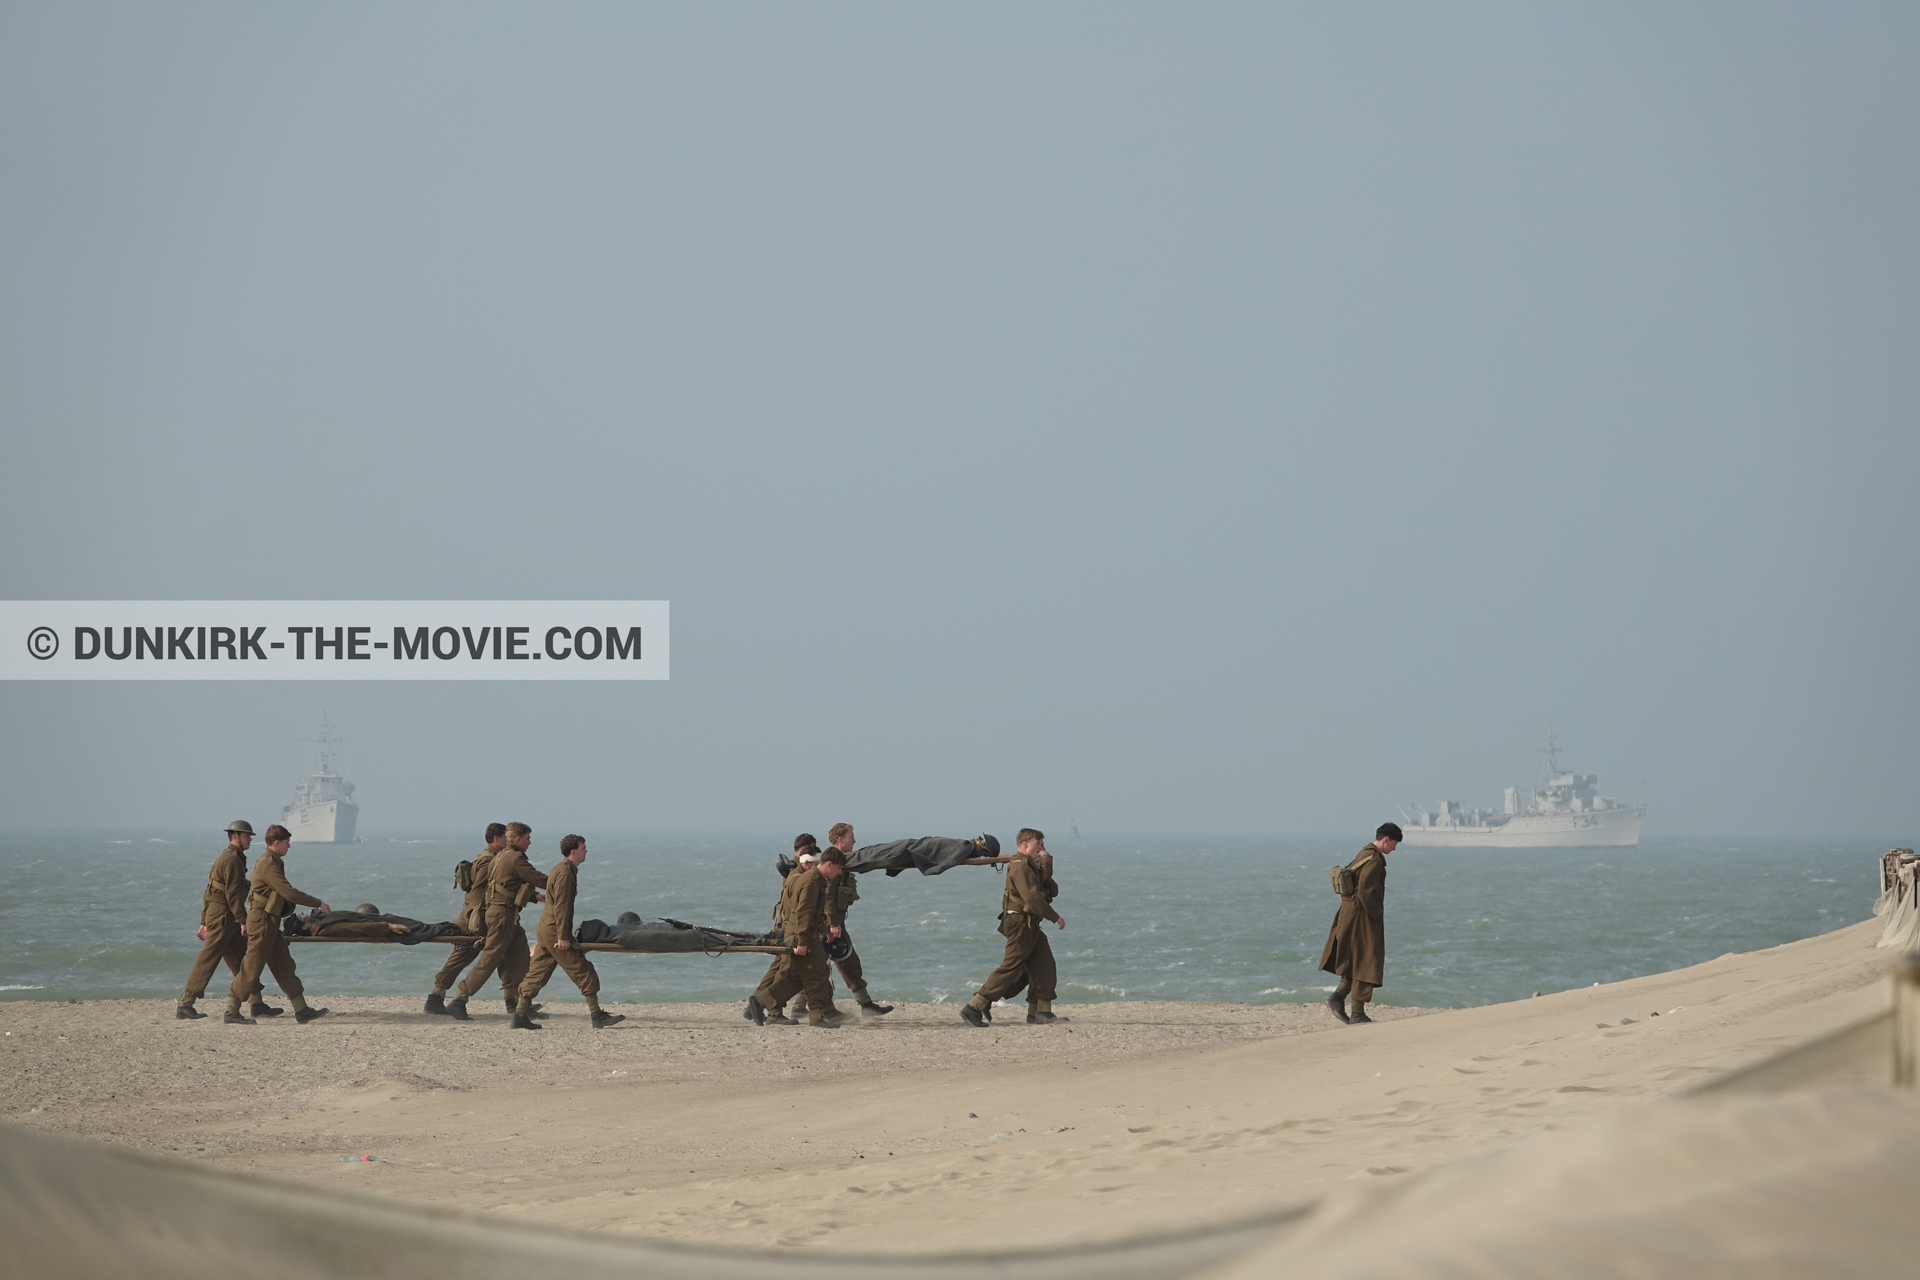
(667, 935)
(929, 855)
(366, 928)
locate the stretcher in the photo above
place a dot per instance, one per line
(614, 948)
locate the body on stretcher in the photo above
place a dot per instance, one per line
(632, 935)
(767, 949)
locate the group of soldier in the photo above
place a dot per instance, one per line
(811, 919)
(499, 883)
(240, 925)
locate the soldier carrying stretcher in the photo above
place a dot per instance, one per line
(272, 896)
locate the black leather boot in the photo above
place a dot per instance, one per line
(436, 1003)
(1338, 1003)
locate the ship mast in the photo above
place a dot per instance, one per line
(326, 741)
(1552, 753)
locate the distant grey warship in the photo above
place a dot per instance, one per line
(1565, 813)
(323, 811)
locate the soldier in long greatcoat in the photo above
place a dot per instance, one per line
(1356, 948)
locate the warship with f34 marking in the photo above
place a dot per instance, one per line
(323, 811)
(1566, 812)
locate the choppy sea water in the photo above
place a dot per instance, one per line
(92, 915)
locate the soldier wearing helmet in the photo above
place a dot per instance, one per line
(223, 922)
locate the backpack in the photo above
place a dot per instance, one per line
(463, 875)
(1345, 880)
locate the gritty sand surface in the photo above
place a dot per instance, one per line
(911, 1133)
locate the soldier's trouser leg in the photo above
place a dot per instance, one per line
(504, 939)
(781, 984)
(854, 973)
(767, 978)
(225, 942)
(816, 980)
(463, 954)
(280, 961)
(1042, 973)
(806, 973)
(572, 962)
(1361, 991)
(539, 968)
(1022, 932)
(266, 950)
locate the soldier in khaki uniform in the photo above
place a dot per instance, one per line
(1027, 900)
(473, 914)
(266, 945)
(803, 910)
(841, 895)
(806, 852)
(554, 944)
(223, 923)
(1356, 950)
(511, 884)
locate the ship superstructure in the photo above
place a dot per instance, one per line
(323, 811)
(1566, 811)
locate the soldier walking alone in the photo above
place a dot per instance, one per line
(1356, 948)
(271, 896)
(1028, 962)
(223, 923)
(554, 943)
(473, 915)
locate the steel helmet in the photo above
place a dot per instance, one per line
(240, 826)
(990, 845)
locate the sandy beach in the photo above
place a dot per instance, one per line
(912, 1133)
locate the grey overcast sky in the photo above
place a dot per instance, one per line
(1200, 417)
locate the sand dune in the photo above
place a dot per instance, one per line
(919, 1135)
